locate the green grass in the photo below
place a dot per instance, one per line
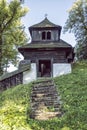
(13, 107)
(15, 104)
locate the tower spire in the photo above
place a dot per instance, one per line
(22, 1)
(46, 15)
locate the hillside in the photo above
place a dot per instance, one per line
(14, 104)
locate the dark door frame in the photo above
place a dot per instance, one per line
(51, 66)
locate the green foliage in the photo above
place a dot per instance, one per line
(77, 24)
(15, 104)
(12, 33)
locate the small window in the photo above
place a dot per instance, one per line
(43, 35)
(48, 35)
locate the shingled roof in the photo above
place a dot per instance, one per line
(45, 23)
(40, 44)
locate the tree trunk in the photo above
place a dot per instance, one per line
(1, 69)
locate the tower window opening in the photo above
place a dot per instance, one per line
(48, 35)
(43, 35)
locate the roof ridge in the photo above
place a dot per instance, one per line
(45, 23)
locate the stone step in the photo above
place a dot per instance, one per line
(36, 104)
(43, 81)
(54, 97)
(44, 97)
(45, 115)
(42, 107)
(43, 92)
(47, 109)
(43, 87)
(47, 103)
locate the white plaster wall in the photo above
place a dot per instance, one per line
(61, 69)
(30, 75)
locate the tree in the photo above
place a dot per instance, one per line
(77, 24)
(12, 33)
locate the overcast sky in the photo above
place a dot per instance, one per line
(57, 11)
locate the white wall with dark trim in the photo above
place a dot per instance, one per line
(58, 69)
(30, 75)
(61, 69)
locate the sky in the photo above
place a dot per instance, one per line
(57, 12)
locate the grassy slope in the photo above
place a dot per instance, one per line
(14, 104)
(73, 89)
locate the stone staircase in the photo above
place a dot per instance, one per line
(45, 100)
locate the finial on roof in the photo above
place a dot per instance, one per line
(46, 15)
(21, 1)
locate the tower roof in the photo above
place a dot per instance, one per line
(45, 23)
